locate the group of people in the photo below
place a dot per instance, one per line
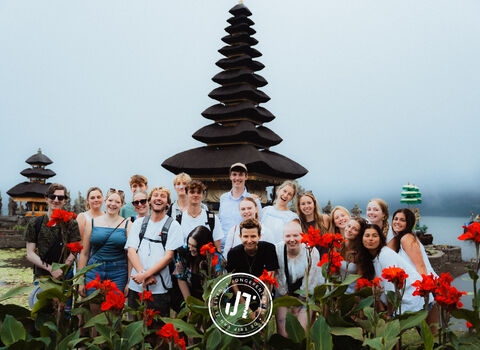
(153, 244)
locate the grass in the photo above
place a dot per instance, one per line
(14, 272)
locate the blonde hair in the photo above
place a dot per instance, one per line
(290, 183)
(160, 189)
(250, 199)
(140, 192)
(121, 194)
(334, 228)
(90, 190)
(319, 223)
(384, 206)
(182, 176)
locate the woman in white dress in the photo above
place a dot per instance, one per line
(292, 262)
(248, 210)
(276, 216)
(349, 250)
(374, 256)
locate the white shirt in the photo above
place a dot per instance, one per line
(233, 238)
(275, 221)
(189, 223)
(151, 253)
(426, 261)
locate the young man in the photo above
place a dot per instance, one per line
(229, 211)
(45, 244)
(151, 244)
(137, 182)
(196, 215)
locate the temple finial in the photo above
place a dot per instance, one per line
(39, 150)
(240, 1)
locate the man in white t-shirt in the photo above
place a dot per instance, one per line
(150, 255)
(196, 215)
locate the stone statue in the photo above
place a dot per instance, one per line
(356, 211)
(12, 207)
(328, 208)
(80, 205)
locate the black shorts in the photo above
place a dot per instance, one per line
(160, 303)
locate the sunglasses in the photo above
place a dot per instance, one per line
(60, 198)
(114, 190)
(141, 201)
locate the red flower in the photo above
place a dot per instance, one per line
(215, 260)
(74, 247)
(210, 247)
(109, 286)
(312, 238)
(395, 275)
(167, 332)
(181, 343)
(332, 239)
(376, 282)
(472, 232)
(114, 300)
(335, 260)
(363, 283)
(448, 297)
(149, 315)
(266, 278)
(427, 285)
(94, 283)
(469, 325)
(60, 215)
(146, 295)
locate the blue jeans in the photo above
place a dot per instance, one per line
(115, 271)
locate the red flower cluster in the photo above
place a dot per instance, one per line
(312, 238)
(114, 300)
(472, 233)
(149, 315)
(74, 247)
(327, 240)
(60, 215)
(446, 295)
(334, 258)
(363, 283)
(266, 278)
(208, 247)
(145, 296)
(395, 275)
(169, 334)
(427, 285)
(215, 260)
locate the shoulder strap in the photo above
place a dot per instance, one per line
(285, 267)
(165, 229)
(106, 239)
(38, 224)
(211, 220)
(169, 210)
(92, 223)
(179, 218)
(142, 230)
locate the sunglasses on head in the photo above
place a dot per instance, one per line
(53, 196)
(114, 190)
(140, 201)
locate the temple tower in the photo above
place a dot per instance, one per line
(32, 192)
(237, 133)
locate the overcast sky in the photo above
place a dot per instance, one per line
(368, 94)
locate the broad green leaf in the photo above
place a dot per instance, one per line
(468, 315)
(320, 335)
(294, 329)
(350, 279)
(12, 330)
(364, 303)
(63, 345)
(96, 320)
(15, 291)
(336, 292)
(183, 326)
(409, 320)
(392, 330)
(353, 332)
(427, 335)
(319, 292)
(90, 297)
(133, 333)
(286, 301)
(213, 340)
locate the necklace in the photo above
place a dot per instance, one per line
(250, 265)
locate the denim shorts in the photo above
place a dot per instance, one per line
(116, 271)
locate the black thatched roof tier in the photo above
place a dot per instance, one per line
(29, 189)
(243, 131)
(240, 19)
(239, 62)
(239, 75)
(242, 49)
(240, 111)
(240, 10)
(216, 160)
(38, 172)
(240, 28)
(239, 38)
(238, 92)
(39, 159)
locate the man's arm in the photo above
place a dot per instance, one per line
(159, 266)
(35, 259)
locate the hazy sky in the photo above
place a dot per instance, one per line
(368, 95)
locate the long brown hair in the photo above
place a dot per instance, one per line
(318, 222)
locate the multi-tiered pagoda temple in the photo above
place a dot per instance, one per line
(32, 192)
(237, 133)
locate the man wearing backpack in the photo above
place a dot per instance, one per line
(45, 245)
(151, 244)
(195, 215)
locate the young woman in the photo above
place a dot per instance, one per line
(276, 216)
(103, 242)
(309, 213)
(374, 256)
(349, 250)
(292, 261)
(248, 210)
(94, 208)
(377, 214)
(407, 245)
(140, 204)
(189, 263)
(339, 219)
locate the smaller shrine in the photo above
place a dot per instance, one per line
(30, 195)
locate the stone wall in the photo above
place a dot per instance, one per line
(11, 239)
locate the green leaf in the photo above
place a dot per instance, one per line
(12, 330)
(183, 326)
(427, 335)
(213, 340)
(320, 335)
(96, 320)
(468, 315)
(15, 291)
(319, 292)
(286, 301)
(133, 332)
(412, 319)
(350, 279)
(294, 329)
(364, 303)
(336, 292)
(63, 345)
(197, 305)
(380, 343)
(106, 332)
(353, 332)
(90, 297)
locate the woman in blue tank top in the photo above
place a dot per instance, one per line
(103, 243)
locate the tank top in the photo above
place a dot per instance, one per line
(426, 261)
(113, 249)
